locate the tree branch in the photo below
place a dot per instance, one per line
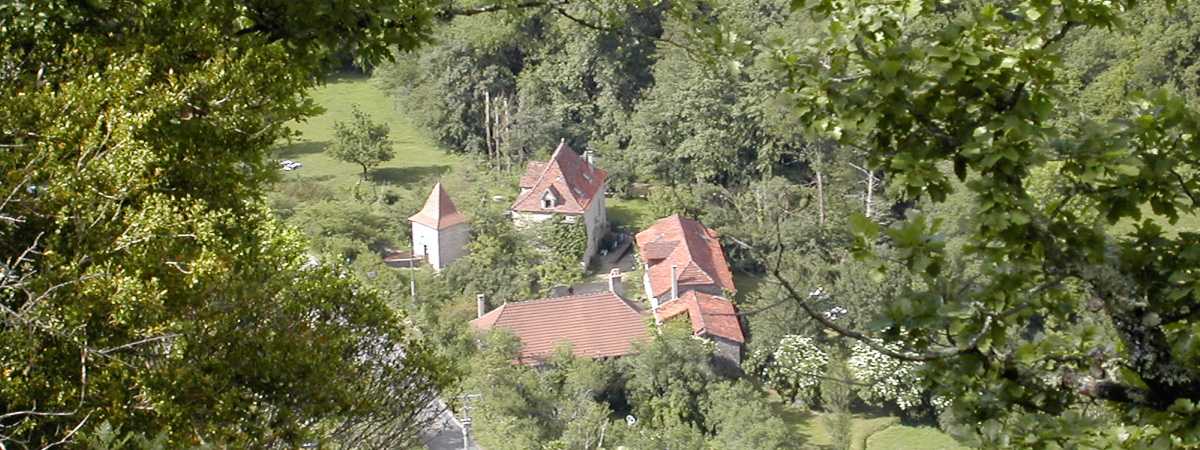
(496, 7)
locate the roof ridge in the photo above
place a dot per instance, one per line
(565, 297)
(546, 168)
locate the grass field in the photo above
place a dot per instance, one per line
(418, 159)
(633, 214)
(869, 433)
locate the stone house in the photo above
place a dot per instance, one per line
(712, 317)
(686, 273)
(569, 187)
(439, 232)
(682, 255)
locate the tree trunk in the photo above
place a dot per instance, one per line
(508, 160)
(820, 193)
(870, 191)
(487, 122)
(496, 130)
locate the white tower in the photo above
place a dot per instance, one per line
(439, 231)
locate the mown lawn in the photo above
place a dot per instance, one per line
(418, 159)
(900, 437)
(869, 433)
(632, 214)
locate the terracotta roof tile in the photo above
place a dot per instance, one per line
(595, 325)
(439, 212)
(694, 249)
(533, 170)
(575, 181)
(709, 314)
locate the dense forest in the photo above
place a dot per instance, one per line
(977, 216)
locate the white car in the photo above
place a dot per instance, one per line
(290, 165)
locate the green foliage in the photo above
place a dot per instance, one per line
(562, 244)
(670, 376)
(362, 141)
(343, 230)
(836, 395)
(557, 406)
(144, 284)
(1030, 306)
(740, 418)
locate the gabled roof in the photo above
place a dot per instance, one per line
(575, 182)
(595, 325)
(439, 212)
(688, 245)
(710, 315)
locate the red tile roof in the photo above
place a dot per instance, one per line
(710, 315)
(439, 212)
(574, 182)
(690, 246)
(532, 171)
(595, 325)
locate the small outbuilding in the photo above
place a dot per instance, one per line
(439, 231)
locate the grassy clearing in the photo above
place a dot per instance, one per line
(418, 159)
(900, 437)
(633, 214)
(869, 433)
(1186, 223)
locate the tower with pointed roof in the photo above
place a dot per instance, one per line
(439, 231)
(567, 187)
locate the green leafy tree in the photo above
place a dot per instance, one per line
(670, 377)
(143, 282)
(1054, 313)
(558, 405)
(362, 141)
(740, 417)
(836, 396)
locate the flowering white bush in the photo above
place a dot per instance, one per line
(886, 379)
(798, 368)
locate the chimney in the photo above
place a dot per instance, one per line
(590, 158)
(480, 305)
(614, 282)
(674, 282)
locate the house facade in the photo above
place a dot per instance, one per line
(439, 231)
(567, 187)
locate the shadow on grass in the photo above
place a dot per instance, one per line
(799, 420)
(408, 176)
(301, 148)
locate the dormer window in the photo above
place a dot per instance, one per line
(548, 200)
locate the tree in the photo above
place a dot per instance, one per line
(670, 377)
(1054, 312)
(836, 395)
(739, 417)
(143, 282)
(558, 405)
(362, 141)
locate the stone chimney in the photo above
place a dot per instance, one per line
(614, 282)
(674, 282)
(480, 305)
(590, 158)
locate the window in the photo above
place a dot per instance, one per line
(548, 200)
